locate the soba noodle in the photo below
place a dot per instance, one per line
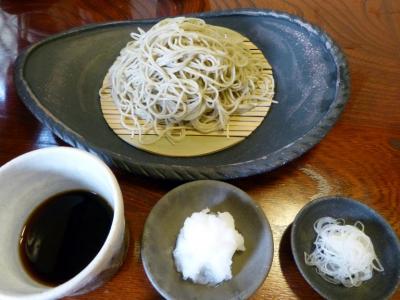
(184, 74)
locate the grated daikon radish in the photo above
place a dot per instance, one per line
(343, 254)
(205, 246)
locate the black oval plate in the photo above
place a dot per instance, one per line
(58, 80)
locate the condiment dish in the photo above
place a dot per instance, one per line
(249, 268)
(386, 244)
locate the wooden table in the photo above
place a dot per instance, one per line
(359, 158)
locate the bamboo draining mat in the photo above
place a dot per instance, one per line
(196, 143)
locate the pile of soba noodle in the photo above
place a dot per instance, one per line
(184, 74)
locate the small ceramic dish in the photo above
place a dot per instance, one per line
(249, 268)
(386, 244)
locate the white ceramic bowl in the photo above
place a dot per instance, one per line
(28, 180)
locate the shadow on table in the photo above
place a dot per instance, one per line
(289, 269)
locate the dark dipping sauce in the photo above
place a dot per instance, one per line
(63, 235)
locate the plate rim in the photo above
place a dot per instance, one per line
(254, 205)
(180, 171)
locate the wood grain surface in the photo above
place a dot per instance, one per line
(359, 158)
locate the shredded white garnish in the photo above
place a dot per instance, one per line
(185, 74)
(343, 254)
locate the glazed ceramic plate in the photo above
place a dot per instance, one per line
(59, 78)
(386, 245)
(249, 268)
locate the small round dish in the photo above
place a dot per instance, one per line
(249, 268)
(386, 244)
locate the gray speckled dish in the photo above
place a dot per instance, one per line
(249, 268)
(386, 244)
(58, 80)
